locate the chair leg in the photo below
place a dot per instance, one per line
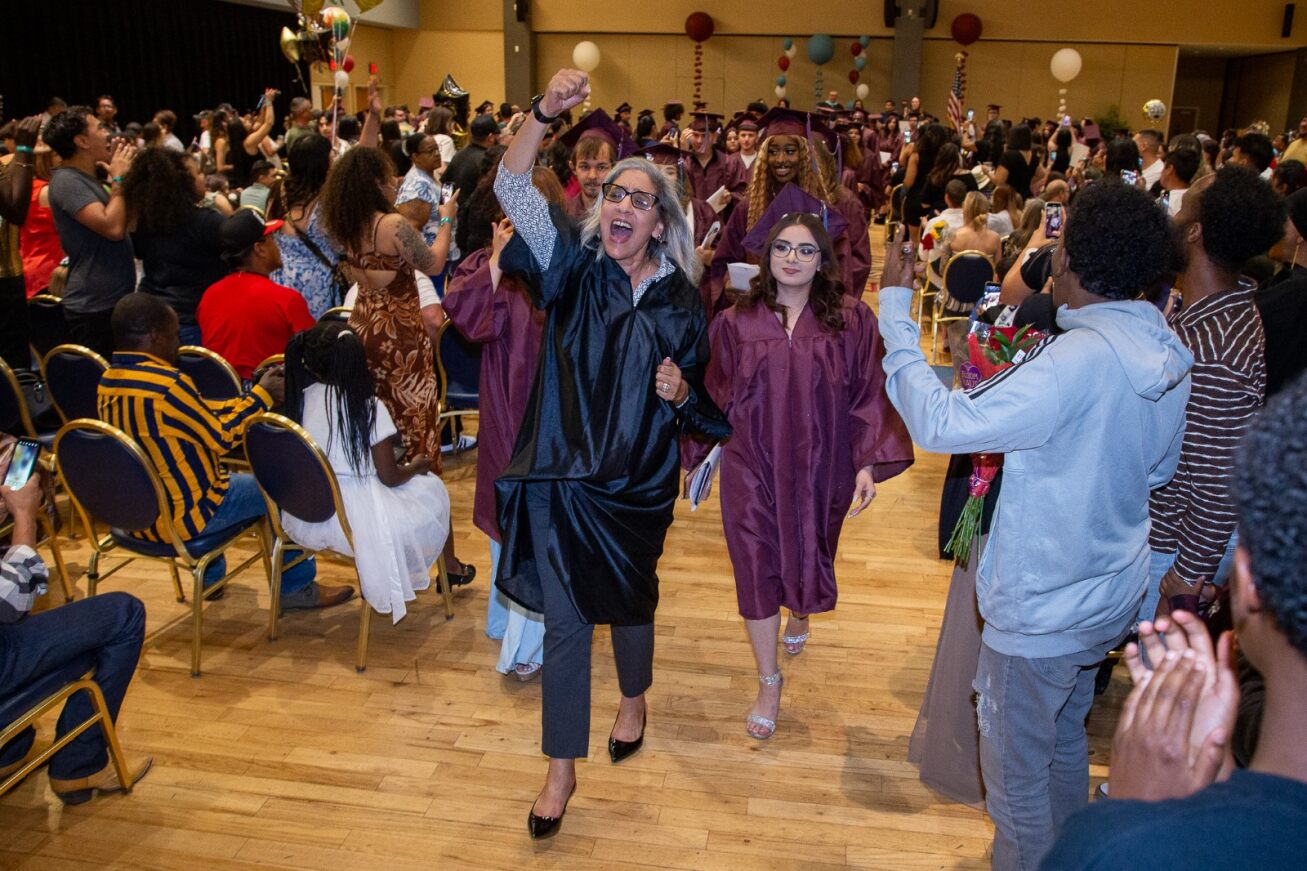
(934, 340)
(265, 549)
(93, 571)
(365, 618)
(57, 553)
(442, 580)
(111, 737)
(177, 582)
(274, 590)
(197, 613)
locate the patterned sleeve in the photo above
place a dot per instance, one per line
(527, 209)
(23, 578)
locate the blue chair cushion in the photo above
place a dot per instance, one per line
(22, 701)
(196, 547)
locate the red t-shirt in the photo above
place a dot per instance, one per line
(247, 318)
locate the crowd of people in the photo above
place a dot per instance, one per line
(687, 299)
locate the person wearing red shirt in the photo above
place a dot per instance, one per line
(246, 317)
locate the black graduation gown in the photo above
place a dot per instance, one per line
(596, 433)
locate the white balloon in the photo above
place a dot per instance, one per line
(586, 56)
(343, 44)
(863, 91)
(791, 51)
(1065, 64)
(342, 79)
(780, 92)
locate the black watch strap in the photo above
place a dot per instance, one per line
(541, 116)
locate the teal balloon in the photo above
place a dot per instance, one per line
(859, 62)
(787, 43)
(821, 48)
(865, 40)
(780, 80)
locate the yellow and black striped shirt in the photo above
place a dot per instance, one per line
(183, 434)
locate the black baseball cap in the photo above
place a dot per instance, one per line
(242, 230)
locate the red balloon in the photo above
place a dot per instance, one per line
(783, 62)
(856, 48)
(966, 28)
(348, 64)
(699, 26)
(853, 77)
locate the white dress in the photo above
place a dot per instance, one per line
(399, 531)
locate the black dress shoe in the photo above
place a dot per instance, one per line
(619, 750)
(546, 827)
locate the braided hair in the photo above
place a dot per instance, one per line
(332, 355)
(762, 189)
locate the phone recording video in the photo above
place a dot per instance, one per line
(1053, 220)
(22, 463)
(446, 191)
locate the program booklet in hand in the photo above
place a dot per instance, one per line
(698, 483)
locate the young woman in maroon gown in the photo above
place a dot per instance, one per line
(795, 365)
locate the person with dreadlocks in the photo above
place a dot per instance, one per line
(398, 512)
(385, 253)
(785, 158)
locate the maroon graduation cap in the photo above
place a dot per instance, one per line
(792, 198)
(598, 123)
(663, 153)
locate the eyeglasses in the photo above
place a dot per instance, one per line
(642, 200)
(804, 251)
(427, 151)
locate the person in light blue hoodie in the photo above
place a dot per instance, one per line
(1090, 420)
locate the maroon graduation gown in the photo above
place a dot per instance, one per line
(722, 170)
(807, 412)
(508, 327)
(855, 265)
(704, 218)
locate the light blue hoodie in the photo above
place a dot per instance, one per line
(1089, 422)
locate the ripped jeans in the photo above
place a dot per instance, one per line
(1034, 754)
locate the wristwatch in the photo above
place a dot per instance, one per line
(541, 116)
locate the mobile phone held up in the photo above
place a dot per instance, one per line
(1052, 220)
(446, 191)
(22, 463)
(1130, 177)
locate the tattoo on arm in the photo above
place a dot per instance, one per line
(414, 249)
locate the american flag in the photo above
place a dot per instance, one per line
(958, 92)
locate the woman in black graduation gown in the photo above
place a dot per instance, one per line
(587, 498)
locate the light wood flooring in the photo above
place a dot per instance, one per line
(281, 755)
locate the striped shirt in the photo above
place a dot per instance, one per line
(1194, 515)
(23, 577)
(183, 434)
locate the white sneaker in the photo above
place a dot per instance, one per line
(463, 443)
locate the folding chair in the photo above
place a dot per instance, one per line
(214, 377)
(965, 276)
(458, 369)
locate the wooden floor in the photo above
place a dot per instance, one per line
(281, 755)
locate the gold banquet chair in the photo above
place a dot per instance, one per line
(964, 279)
(110, 479)
(294, 476)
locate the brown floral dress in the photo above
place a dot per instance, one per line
(388, 320)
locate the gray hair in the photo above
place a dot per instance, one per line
(676, 242)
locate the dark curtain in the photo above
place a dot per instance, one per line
(183, 55)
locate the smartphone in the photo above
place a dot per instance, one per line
(446, 191)
(907, 135)
(971, 114)
(1066, 120)
(1129, 176)
(894, 168)
(22, 463)
(1053, 220)
(711, 236)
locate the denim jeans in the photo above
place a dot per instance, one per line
(242, 502)
(1160, 563)
(103, 633)
(1034, 755)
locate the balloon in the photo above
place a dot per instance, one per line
(343, 44)
(1155, 110)
(348, 63)
(856, 48)
(290, 45)
(780, 92)
(1061, 91)
(860, 62)
(365, 5)
(699, 26)
(864, 91)
(783, 62)
(853, 77)
(821, 48)
(780, 80)
(791, 51)
(585, 55)
(787, 43)
(1065, 64)
(864, 40)
(342, 79)
(966, 28)
(336, 20)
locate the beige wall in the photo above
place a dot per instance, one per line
(464, 38)
(1199, 83)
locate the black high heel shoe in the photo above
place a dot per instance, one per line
(546, 827)
(619, 750)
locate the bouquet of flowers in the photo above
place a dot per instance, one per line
(990, 350)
